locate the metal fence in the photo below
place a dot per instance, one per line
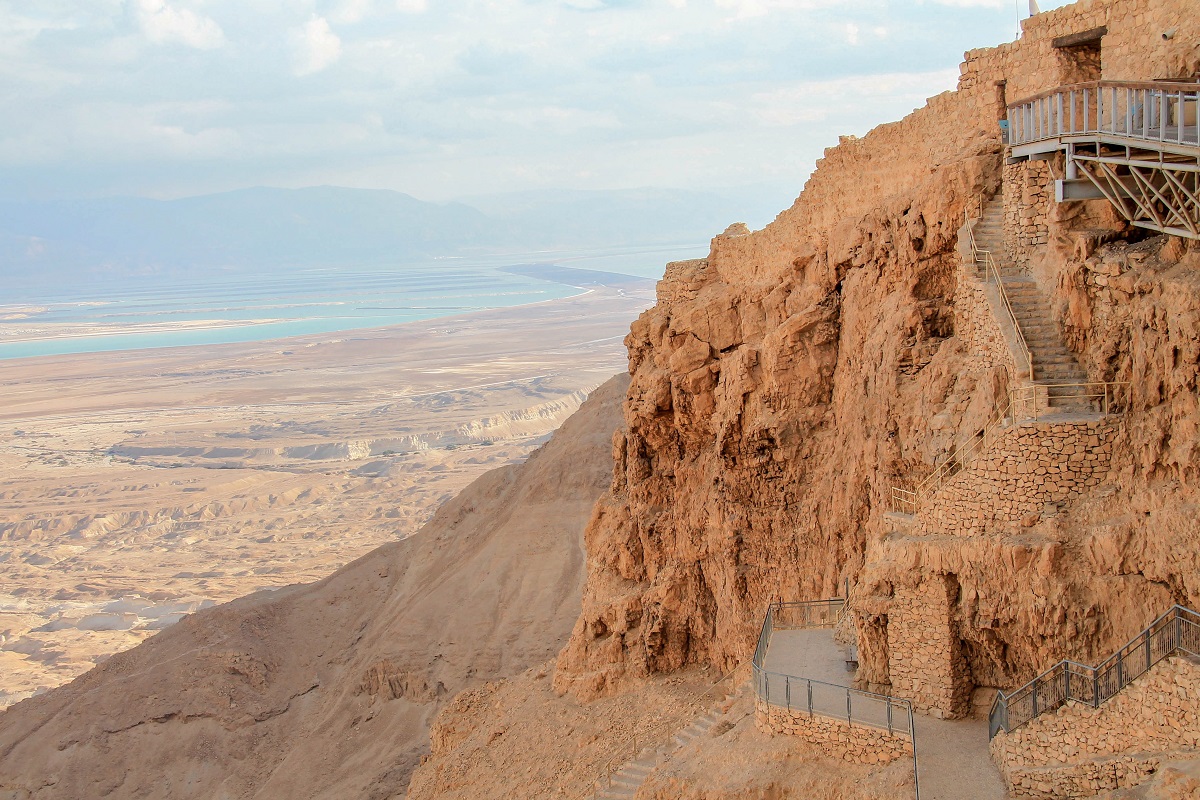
(1037, 400)
(853, 706)
(1159, 111)
(1177, 631)
(797, 693)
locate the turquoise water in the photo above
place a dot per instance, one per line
(252, 308)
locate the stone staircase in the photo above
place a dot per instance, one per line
(624, 783)
(1053, 364)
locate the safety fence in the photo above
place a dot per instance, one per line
(819, 698)
(1159, 111)
(1176, 631)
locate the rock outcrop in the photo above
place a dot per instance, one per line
(781, 386)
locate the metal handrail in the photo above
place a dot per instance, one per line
(820, 619)
(1176, 631)
(987, 264)
(910, 502)
(1023, 404)
(1025, 400)
(1157, 111)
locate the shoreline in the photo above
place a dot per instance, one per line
(84, 332)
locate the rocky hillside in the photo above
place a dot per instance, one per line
(326, 690)
(782, 386)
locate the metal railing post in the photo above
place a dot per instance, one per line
(912, 733)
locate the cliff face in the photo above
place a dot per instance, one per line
(774, 388)
(783, 385)
(327, 689)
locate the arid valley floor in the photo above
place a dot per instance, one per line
(140, 485)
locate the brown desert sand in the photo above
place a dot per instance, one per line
(140, 486)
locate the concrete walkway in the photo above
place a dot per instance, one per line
(952, 755)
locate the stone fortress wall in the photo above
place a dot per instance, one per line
(1028, 194)
(928, 667)
(1080, 751)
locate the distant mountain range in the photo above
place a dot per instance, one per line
(265, 230)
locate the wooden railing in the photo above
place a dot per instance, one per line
(1157, 111)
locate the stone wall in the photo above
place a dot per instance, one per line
(1028, 193)
(927, 664)
(976, 324)
(1132, 50)
(858, 744)
(1079, 750)
(1026, 467)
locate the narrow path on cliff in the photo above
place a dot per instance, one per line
(953, 761)
(952, 755)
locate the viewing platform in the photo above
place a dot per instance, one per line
(1136, 144)
(1133, 143)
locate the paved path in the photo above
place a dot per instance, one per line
(952, 755)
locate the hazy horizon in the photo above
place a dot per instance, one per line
(182, 98)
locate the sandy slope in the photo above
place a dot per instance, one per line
(137, 486)
(326, 690)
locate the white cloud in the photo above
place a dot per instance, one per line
(412, 6)
(314, 47)
(162, 23)
(348, 12)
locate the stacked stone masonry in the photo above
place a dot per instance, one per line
(927, 665)
(857, 744)
(1030, 465)
(1080, 750)
(976, 324)
(1028, 192)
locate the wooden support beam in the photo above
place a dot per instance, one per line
(1081, 38)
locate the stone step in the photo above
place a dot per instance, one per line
(624, 779)
(1045, 338)
(614, 793)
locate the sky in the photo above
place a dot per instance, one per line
(447, 98)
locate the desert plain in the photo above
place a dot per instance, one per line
(138, 486)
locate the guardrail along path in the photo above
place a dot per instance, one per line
(1053, 364)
